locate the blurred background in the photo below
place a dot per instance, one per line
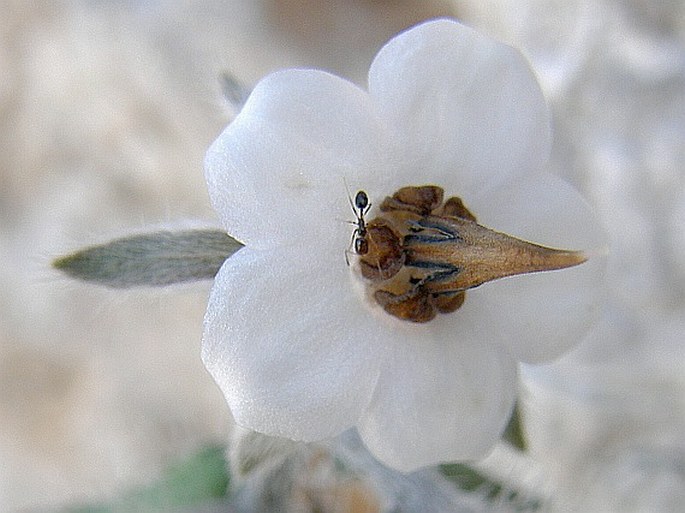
(106, 110)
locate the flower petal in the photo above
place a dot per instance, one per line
(465, 105)
(540, 316)
(282, 166)
(290, 344)
(439, 399)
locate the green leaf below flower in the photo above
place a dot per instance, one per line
(469, 479)
(199, 480)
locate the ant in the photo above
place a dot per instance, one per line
(360, 207)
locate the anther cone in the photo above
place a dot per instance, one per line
(465, 254)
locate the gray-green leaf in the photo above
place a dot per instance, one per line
(155, 259)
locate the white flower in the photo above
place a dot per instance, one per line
(296, 349)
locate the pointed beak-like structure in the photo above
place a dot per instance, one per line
(421, 254)
(461, 254)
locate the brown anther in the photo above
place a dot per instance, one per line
(419, 200)
(454, 207)
(384, 256)
(448, 303)
(417, 304)
(416, 308)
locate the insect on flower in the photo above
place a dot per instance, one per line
(361, 207)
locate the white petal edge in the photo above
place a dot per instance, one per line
(281, 167)
(467, 106)
(539, 317)
(289, 343)
(441, 398)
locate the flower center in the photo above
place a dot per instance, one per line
(420, 254)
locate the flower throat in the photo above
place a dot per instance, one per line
(420, 254)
